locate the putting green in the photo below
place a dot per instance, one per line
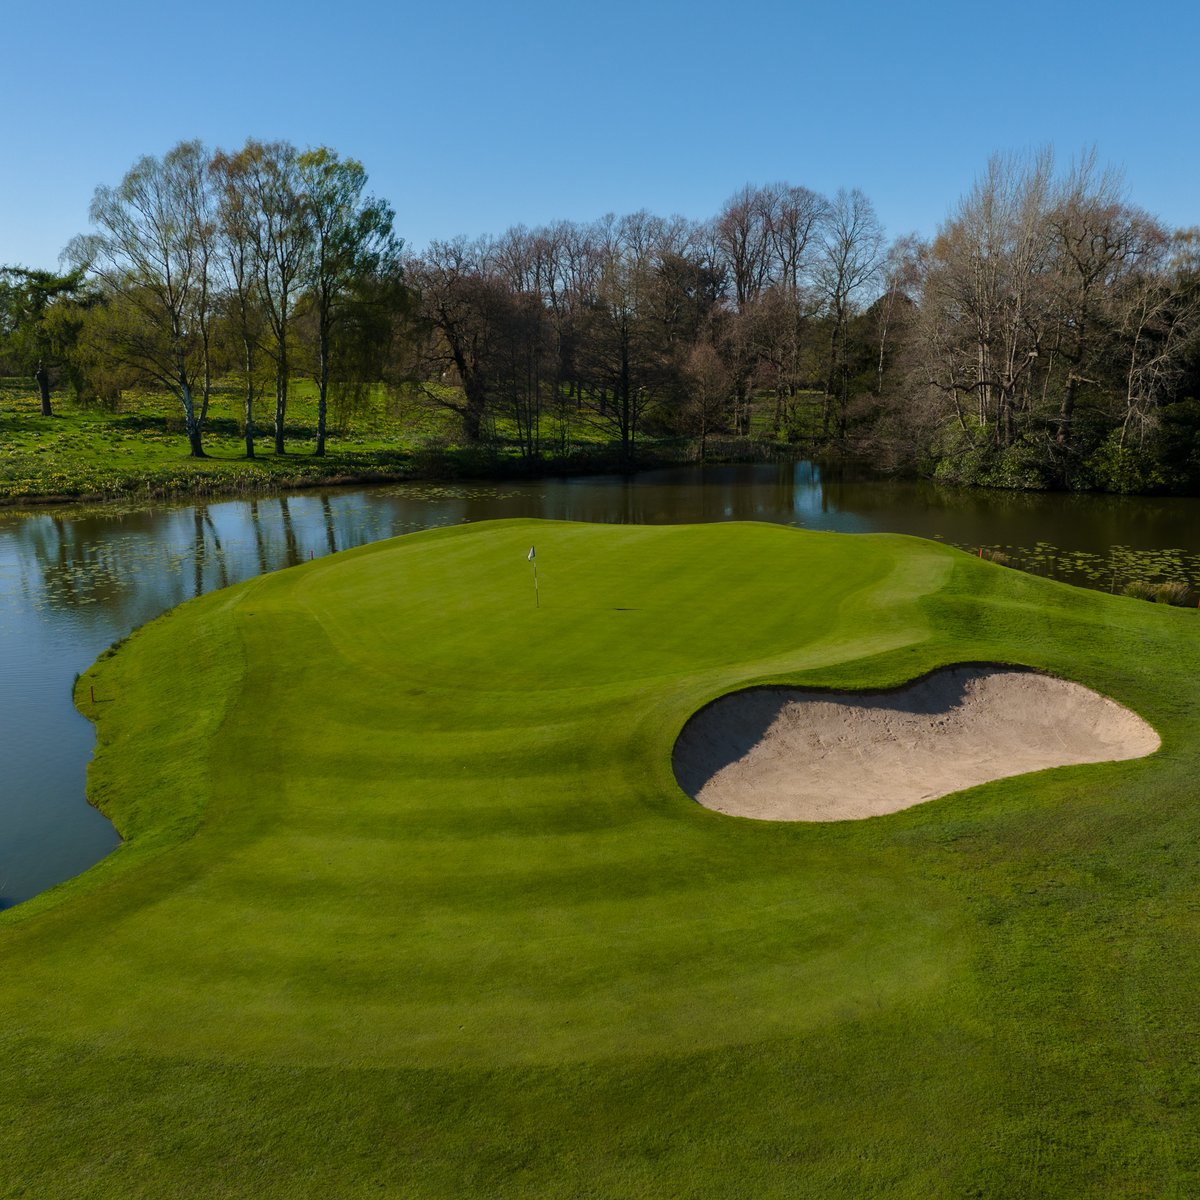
(411, 904)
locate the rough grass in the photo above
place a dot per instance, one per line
(411, 904)
(139, 449)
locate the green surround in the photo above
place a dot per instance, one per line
(411, 905)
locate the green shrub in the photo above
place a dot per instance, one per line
(1126, 470)
(1021, 466)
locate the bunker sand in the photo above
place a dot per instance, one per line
(781, 754)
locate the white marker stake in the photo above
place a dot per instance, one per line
(537, 603)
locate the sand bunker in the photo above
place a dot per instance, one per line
(804, 755)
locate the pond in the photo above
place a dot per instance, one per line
(75, 579)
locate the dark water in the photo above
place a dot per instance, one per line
(74, 580)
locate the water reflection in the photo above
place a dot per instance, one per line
(74, 580)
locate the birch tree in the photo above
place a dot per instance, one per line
(282, 238)
(238, 238)
(151, 253)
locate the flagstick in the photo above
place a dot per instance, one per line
(532, 556)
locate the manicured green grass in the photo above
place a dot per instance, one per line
(411, 905)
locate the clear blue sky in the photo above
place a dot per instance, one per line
(474, 116)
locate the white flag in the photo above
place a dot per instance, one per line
(529, 556)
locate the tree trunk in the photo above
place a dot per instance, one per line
(249, 363)
(1066, 411)
(1007, 429)
(981, 377)
(322, 394)
(280, 402)
(322, 391)
(623, 413)
(883, 332)
(43, 382)
(191, 426)
(473, 411)
(281, 408)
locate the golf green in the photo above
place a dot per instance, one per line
(411, 904)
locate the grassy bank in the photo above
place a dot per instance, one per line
(411, 905)
(139, 450)
(90, 453)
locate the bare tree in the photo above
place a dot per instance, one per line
(1159, 305)
(779, 330)
(619, 352)
(1099, 243)
(795, 219)
(461, 309)
(986, 296)
(848, 262)
(524, 366)
(709, 385)
(744, 235)
(902, 271)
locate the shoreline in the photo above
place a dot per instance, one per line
(250, 477)
(423, 467)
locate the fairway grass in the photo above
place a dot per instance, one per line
(411, 905)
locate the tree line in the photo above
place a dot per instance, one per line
(1047, 336)
(1054, 336)
(642, 321)
(258, 264)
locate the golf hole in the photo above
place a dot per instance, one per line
(796, 754)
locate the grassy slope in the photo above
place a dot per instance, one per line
(411, 905)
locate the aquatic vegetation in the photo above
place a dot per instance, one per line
(1105, 572)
